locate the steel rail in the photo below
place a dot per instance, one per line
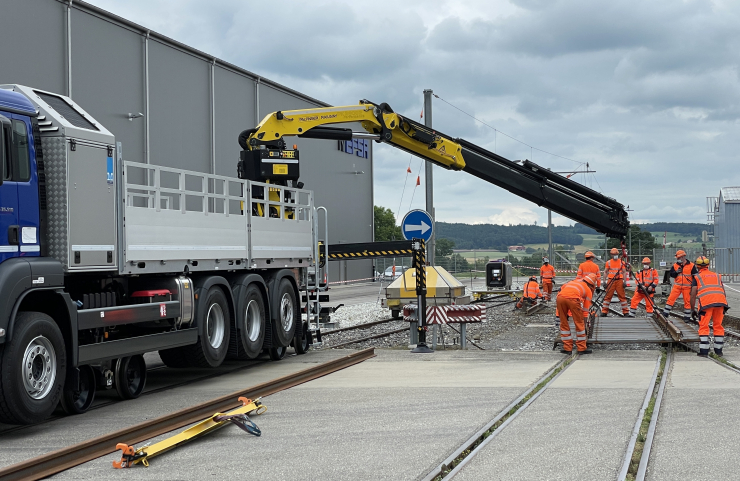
(644, 459)
(358, 326)
(469, 445)
(71, 456)
(368, 338)
(636, 429)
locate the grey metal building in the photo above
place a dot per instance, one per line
(193, 105)
(727, 231)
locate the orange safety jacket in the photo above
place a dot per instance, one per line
(576, 290)
(614, 269)
(647, 277)
(589, 267)
(684, 275)
(532, 290)
(710, 290)
(547, 272)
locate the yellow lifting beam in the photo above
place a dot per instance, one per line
(442, 151)
(239, 416)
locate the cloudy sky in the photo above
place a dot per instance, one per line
(646, 93)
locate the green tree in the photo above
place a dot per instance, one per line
(443, 247)
(641, 239)
(385, 225)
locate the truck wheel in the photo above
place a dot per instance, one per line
(277, 353)
(130, 376)
(302, 344)
(252, 323)
(33, 367)
(213, 343)
(395, 313)
(288, 314)
(78, 399)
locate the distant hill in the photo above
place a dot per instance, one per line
(685, 228)
(499, 237)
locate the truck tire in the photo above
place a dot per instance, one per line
(33, 367)
(395, 313)
(213, 343)
(302, 344)
(78, 399)
(252, 322)
(288, 313)
(277, 353)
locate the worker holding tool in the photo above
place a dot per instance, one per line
(530, 293)
(589, 267)
(575, 296)
(547, 277)
(684, 272)
(615, 272)
(647, 281)
(710, 291)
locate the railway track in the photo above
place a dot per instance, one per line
(71, 456)
(362, 326)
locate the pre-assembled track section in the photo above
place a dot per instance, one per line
(63, 459)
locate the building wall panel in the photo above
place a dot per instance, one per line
(234, 107)
(180, 109)
(108, 78)
(33, 36)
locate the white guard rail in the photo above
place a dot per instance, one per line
(173, 214)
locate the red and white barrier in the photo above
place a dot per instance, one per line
(448, 314)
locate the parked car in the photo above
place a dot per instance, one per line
(388, 274)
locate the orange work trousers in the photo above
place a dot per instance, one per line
(564, 306)
(546, 289)
(684, 292)
(639, 296)
(715, 315)
(617, 286)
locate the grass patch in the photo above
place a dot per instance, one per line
(723, 361)
(647, 417)
(446, 469)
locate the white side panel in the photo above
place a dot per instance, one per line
(166, 235)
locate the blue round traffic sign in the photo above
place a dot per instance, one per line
(417, 224)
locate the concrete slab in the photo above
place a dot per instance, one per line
(360, 423)
(576, 430)
(697, 433)
(732, 354)
(36, 440)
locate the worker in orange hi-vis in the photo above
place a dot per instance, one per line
(575, 296)
(647, 281)
(615, 273)
(683, 271)
(589, 267)
(547, 278)
(530, 292)
(708, 288)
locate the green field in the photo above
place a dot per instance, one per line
(590, 241)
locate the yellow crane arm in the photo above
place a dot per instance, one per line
(380, 122)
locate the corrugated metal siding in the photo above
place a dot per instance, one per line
(727, 236)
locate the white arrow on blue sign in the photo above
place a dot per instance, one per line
(417, 224)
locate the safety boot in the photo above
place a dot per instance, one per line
(718, 352)
(587, 351)
(703, 353)
(566, 352)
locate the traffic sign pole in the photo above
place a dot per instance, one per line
(421, 294)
